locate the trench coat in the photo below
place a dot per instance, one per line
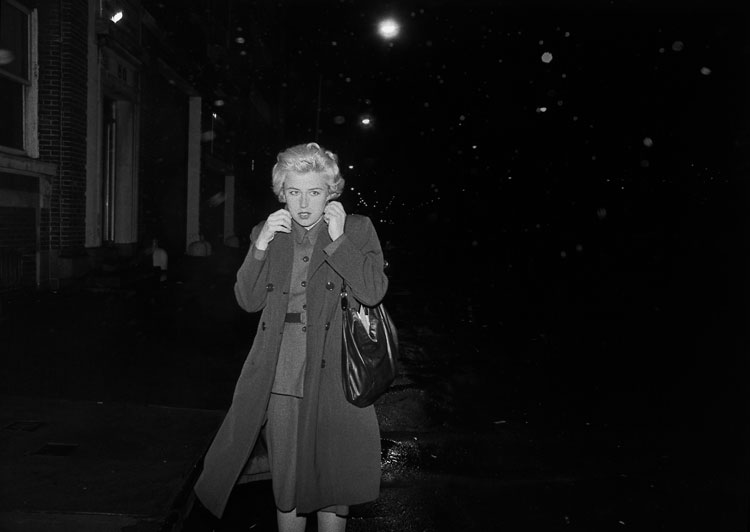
(338, 446)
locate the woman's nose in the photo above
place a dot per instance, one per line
(303, 200)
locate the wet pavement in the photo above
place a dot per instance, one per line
(91, 465)
(510, 413)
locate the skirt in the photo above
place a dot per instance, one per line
(280, 434)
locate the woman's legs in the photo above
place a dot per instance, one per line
(327, 522)
(330, 522)
(290, 521)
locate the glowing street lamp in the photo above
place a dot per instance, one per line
(117, 17)
(389, 28)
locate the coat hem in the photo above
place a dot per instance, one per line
(312, 508)
(255, 477)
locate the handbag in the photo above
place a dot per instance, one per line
(369, 352)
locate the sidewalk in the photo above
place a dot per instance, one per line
(89, 466)
(109, 397)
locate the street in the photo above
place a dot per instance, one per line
(498, 420)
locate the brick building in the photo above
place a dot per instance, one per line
(100, 140)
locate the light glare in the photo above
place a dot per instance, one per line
(388, 28)
(117, 17)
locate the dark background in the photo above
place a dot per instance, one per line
(598, 194)
(594, 202)
(566, 235)
(638, 124)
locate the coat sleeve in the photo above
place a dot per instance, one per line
(252, 277)
(358, 258)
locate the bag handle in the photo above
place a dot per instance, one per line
(345, 300)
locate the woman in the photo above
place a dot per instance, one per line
(323, 452)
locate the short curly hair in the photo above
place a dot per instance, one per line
(304, 158)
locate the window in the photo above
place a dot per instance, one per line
(15, 80)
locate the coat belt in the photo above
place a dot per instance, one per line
(293, 317)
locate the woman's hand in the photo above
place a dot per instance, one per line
(335, 216)
(279, 221)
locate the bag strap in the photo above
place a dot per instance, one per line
(344, 297)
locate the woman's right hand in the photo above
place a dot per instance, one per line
(279, 221)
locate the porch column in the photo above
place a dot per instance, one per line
(126, 176)
(94, 135)
(228, 206)
(192, 233)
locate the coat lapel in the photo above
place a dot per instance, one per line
(281, 257)
(319, 256)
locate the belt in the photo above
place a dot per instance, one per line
(293, 317)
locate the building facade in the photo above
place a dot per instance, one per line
(101, 140)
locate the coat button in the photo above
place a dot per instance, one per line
(328, 325)
(330, 285)
(263, 326)
(305, 259)
(269, 287)
(304, 328)
(323, 363)
(304, 284)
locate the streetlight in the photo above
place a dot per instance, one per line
(389, 28)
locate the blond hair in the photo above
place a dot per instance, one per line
(305, 158)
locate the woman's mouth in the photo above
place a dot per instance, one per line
(303, 215)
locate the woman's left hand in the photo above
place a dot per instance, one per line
(335, 216)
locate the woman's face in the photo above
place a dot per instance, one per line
(306, 195)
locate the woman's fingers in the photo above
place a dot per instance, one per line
(279, 226)
(280, 220)
(335, 208)
(335, 217)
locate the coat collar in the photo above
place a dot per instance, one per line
(299, 232)
(283, 252)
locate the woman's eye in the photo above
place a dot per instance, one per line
(315, 193)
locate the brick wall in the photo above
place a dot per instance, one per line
(63, 53)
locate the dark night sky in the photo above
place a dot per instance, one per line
(464, 91)
(635, 104)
